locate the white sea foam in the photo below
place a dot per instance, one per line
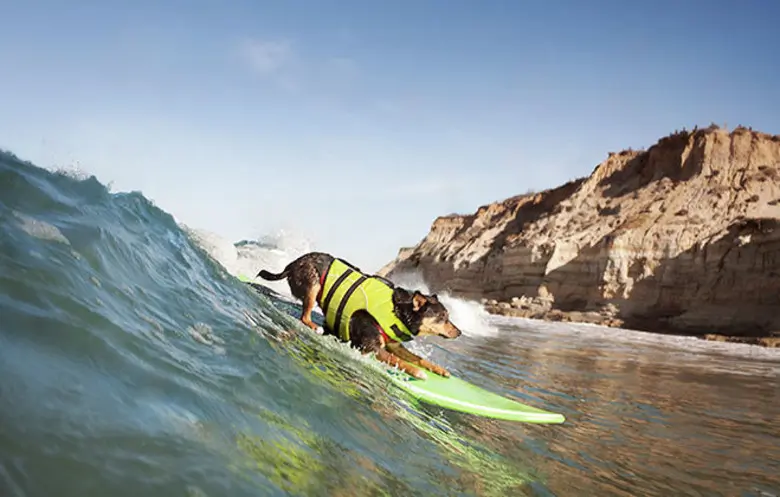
(246, 258)
(40, 229)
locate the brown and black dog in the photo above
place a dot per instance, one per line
(422, 314)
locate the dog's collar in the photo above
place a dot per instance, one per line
(382, 332)
(322, 285)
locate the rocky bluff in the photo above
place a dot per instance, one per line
(681, 238)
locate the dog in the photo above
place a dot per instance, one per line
(368, 312)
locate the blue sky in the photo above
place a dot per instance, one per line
(356, 123)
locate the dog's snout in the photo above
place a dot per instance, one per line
(453, 331)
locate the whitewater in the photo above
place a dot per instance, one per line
(134, 362)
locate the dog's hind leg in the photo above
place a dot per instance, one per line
(309, 299)
(393, 360)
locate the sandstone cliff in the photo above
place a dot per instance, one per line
(683, 237)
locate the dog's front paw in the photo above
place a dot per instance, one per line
(441, 372)
(420, 374)
(436, 369)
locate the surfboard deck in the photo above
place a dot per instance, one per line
(459, 395)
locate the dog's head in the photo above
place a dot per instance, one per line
(423, 314)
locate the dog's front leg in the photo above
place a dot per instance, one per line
(389, 358)
(409, 356)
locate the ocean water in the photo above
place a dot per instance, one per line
(133, 362)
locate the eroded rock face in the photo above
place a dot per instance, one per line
(684, 236)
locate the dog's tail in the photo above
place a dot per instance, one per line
(266, 275)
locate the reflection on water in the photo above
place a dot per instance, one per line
(668, 417)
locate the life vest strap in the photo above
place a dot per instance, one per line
(338, 301)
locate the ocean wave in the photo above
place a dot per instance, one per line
(134, 362)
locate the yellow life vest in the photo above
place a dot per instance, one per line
(346, 290)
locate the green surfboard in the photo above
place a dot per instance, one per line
(459, 395)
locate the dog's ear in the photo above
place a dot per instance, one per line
(418, 300)
(433, 299)
(401, 296)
